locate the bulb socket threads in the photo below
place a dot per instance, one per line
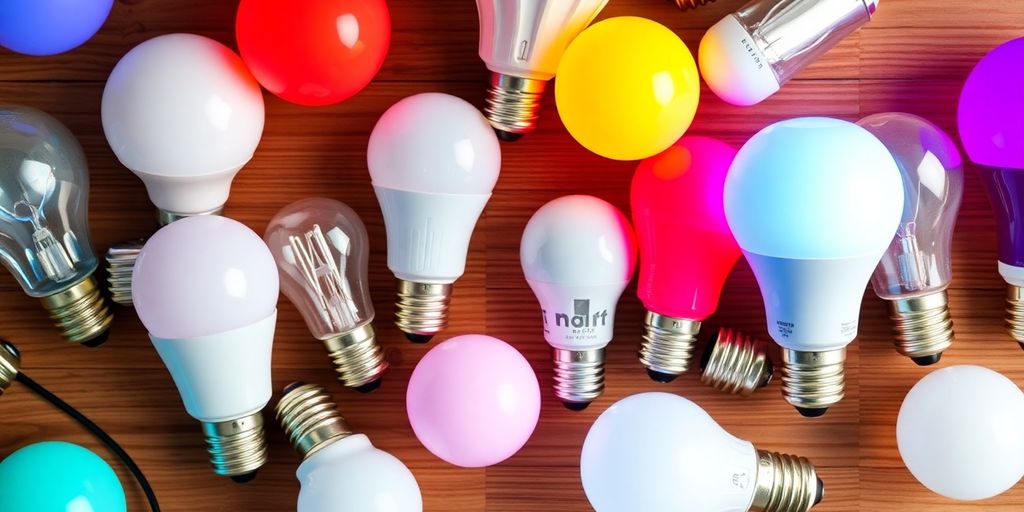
(736, 363)
(668, 345)
(10, 363)
(80, 312)
(310, 418)
(358, 358)
(120, 262)
(1015, 312)
(687, 5)
(813, 381)
(513, 105)
(785, 483)
(237, 447)
(422, 309)
(579, 376)
(923, 327)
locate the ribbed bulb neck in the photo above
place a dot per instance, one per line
(310, 418)
(785, 483)
(736, 363)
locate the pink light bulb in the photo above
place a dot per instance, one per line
(686, 247)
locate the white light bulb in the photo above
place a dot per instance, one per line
(206, 289)
(659, 451)
(521, 41)
(578, 254)
(433, 161)
(961, 432)
(813, 204)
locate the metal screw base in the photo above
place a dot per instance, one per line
(813, 381)
(668, 344)
(513, 104)
(165, 217)
(310, 418)
(579, 376)
(358, 358)
(237, 447)
(80, 312)
(10, 362)
(924, 329)
(686, 5)
(1015, 312)
(785, 483)
(120, 263)
(422, 308)
(736, 363)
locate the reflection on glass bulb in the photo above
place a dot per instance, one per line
(321, 250)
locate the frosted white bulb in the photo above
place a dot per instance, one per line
(433, 160)
(961, 432)
(662, 452)
(578, 254)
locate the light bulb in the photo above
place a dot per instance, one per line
(182, 113)
(49, 27)
(521, 41)
(206, 289)
(578, 254)
(813, 202)
(748, 55)
(659, 451)
(55, 475)
(627, 88)
(44, 222)
(916, 269)
(10, 365)
(433, 161)
(960, 432)
(341, 470)
(686, 248)
(990, 108)
(322, 251)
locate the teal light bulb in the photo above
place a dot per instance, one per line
(55, 476)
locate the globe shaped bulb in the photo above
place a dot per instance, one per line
(55, 476)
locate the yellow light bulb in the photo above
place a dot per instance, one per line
(627, 88)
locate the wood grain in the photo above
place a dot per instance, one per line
(912, 57)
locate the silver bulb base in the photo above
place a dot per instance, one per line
(80, 312)
(736, 363)
(813, 381)
(358, 358)
(237, 447)
(10, 364)
(923, 327)
(310, 418)
(687, 5)
(165, 217)
(579, 376)
(1015, 313)
(513, 104)
(668, 345)
(785, 483)
(120, 262)
(422, 309)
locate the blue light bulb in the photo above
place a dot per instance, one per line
(49, 27)
(55, 476)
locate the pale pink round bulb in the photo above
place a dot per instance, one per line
(473, 401)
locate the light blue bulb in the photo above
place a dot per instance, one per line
(55, 476)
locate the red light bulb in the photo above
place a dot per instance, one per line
(313, 52)
(686, 247)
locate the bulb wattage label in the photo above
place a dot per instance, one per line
(580, 321)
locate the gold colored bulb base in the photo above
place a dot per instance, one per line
(237, 447)
(422, 309)
(1015, 312)
(579, 376)
(785, 483)
(310, 418)
(10, 363)
(923, 327)
(80, 312)
(358, 358)
(736, 363)
(513, 105)
(813, 381)
(120, 262)
(687, 5)
(668, 345)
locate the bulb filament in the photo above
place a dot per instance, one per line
(325, 277)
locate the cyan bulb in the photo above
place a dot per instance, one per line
(55, 476)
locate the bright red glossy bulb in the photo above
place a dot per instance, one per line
(313, 52)
(686, 247)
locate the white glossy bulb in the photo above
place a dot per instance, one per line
(351, 474)
(961, 432)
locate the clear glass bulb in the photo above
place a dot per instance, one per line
(44, 222)
(916, 269)
(322, 251)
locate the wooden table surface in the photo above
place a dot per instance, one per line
(912, 57)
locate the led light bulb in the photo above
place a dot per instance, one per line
(993, 136)
(322, 251)
(54, 475)
(578, 254)
(916, 269)
(340, 469)
(521, 41)
(182, 113)
(49, 27)
(814, 203)
(206, 289)
(44, 222)
(433, 161)
(748, 55)
(960, 432)
(686, 248)
(659, 451)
